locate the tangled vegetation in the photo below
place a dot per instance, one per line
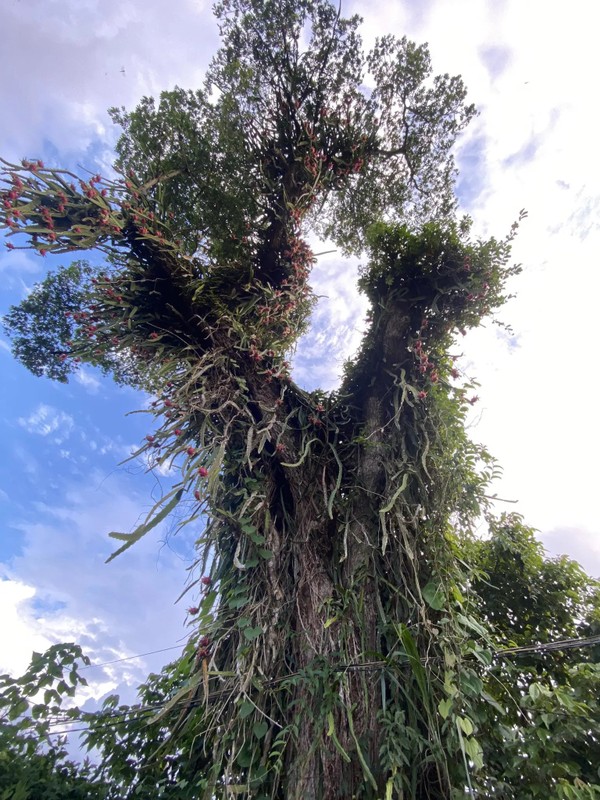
(338, 648)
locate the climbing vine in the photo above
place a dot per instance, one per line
(334, 651)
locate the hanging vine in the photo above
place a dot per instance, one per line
(332, 650)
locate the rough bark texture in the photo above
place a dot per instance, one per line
(317, 769)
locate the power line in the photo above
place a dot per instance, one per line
(130, 658)
(133, 711)
(198, 701)
(561, 644)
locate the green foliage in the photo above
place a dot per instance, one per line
(528, 598)
(33, 762)
(293, 125)
(139, 756)
(541, 735)
(49, 774)
(561, 745)
(532, 733)
(341, 644)
(192, 140)
(43, 322)
(52, 330)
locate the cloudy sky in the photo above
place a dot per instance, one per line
(531, 69)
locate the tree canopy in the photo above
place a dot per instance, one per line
(340, 647)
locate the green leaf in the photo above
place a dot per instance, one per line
(444, 707)
(332, 734)
(185, 691)
(471, 623)
(255, 536)
(215, 469)
(494, 703)
(246, 708)
(260, 729)
(238, 602)
(395, 496)
(247, 527)
(413, 655)
(457, 594)
(465, 724)
(434, 596)
(471, 683)
(245, 758)
(474, 751)
(252, 633)
(18, 709)
(131, 538)
(535, 691)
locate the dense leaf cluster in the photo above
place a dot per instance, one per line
(538, 726)
(341, 646)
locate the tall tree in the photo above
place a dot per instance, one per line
(537, 718)
(541, 736)
(332, 625)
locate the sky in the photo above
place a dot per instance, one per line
(531, 70)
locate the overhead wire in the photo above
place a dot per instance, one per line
(561, 644)
(201, 701)
(142, 710)
(131, 658)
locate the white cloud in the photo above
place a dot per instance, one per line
(121, 451)
(15, 265)
(58, 587)
(89, 382)
(25, 461)
(84, 57)
(24, 630)
(18, 629)
(46, 420)
(537, 406)
(166, 469)
(579, 544)
(337, 324)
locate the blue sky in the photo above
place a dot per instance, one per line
(530, 70)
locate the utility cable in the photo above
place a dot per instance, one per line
(133, 711)
(561, 644)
